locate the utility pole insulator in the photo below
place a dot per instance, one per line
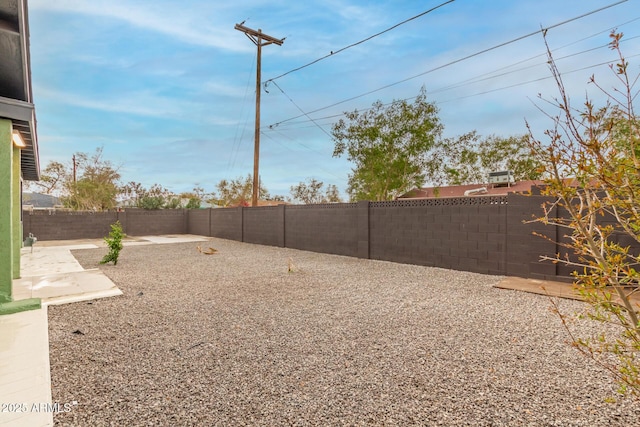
(259, 39)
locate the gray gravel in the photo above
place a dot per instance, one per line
(235, 339)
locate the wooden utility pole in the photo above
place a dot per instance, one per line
(75, 165)
(259, 39)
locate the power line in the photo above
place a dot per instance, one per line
(291, 139)
(491, 90)
(467, 82)
(477, 78)
(302, 111)
(302, 145)
(491, 74)
(238, 140)
(532, 81)
(360, 42)
(542, 30)
(541, 55)
(440, 102)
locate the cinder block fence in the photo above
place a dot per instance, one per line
(69, 225)
(489, 234)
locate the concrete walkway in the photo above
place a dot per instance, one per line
(49, 272)
(52, 274)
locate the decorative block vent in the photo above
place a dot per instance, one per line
(444, 201)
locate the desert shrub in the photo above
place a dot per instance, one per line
(114, 243)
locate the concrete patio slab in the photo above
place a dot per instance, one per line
(127, 241)
(62, 288)
(541, 287)
(50, 260)
(52, 274)
(547, 287)
(174, 238)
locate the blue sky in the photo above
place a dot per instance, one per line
(168, 87)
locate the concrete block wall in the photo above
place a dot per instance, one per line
(328, 228)
(59, 225)
(489, 234)
(441, 233)
(226, 223)
(527, 241)
(141, 222)
(63, 225)
(264, 225)
(199, 222)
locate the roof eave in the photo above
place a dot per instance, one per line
(23, 116)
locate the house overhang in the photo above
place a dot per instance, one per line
(16, 98)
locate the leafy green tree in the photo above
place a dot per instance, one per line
(156, 197)
(591, 169)
(332, 194)
(193, 203)
(470, 158)
(195, 197)
(173, 202)
(388, 145)
(52, 179)
(130, 193)
(238, 191)
(198, 192)
(313, 192)
(95, 184)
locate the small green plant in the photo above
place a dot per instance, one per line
(114, 242)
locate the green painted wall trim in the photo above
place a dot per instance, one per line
(6, 211)
(10, 224)
(16, 223)
(19, 306)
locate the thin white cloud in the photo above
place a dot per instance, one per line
(225, 89)
(190, 25)
(367, 15)
(102, 61)
(141, 103)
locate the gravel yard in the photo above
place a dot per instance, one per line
(235, 339)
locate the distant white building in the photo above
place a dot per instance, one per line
(40, 201)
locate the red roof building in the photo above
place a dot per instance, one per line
(471, 190)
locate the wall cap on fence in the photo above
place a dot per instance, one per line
(324, 206)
